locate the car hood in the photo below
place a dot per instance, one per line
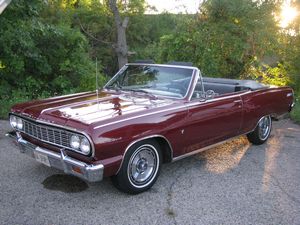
(88, 108)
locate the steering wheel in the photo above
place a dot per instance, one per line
(210, 94)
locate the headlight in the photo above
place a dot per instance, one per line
(19, 123)
(75, 142)
(13, 121)
(85, 146)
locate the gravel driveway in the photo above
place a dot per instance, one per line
(235, 183)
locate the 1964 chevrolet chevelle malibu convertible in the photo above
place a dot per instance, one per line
(146, 115)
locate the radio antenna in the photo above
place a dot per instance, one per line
(97, 88)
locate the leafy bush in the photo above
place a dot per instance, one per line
(38, 59)
(222, 40)
(276, 75)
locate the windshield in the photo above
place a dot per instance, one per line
(156, 80)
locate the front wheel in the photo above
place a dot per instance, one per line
(261, 132)
(140, 167)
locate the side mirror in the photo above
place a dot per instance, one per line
(201, 96)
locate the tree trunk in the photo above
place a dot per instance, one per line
(121, 47)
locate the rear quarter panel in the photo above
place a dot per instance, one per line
(271, 101)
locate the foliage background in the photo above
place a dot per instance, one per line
(49, 47)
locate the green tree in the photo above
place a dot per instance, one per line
(38, 59)
(226, 38)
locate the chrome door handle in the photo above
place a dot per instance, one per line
(237, 101)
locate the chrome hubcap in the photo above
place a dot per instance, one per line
(143, 165)
(264, 127)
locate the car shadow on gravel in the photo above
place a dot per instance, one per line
(216, 160)
(65, 183)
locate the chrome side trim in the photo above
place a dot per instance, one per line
(213, 145)
(139, 116)
(205, 148)
(200, 150)
(62, 127)
(145, 138)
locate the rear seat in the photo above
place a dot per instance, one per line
(220, 88)
(223, 86)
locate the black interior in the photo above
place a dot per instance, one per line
(222, 86)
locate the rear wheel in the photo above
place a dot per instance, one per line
(261, 132)
(140, 167)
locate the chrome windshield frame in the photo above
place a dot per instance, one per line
(189, 92)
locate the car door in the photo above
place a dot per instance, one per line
(211, 121)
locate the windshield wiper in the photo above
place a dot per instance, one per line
(139, 90)
(112, 88)
(115, 86)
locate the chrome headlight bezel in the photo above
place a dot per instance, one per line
(20, 123)
(16, 122)
(85, 146)
(75, 141)
(13, 121)
(80, 144)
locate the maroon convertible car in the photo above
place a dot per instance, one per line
(146, 115)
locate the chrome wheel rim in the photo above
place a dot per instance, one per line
(143, 166)
(264, 127)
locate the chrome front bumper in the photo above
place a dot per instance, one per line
(89, 172)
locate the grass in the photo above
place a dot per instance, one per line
(295, 114)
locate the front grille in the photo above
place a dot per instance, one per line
(47, 133)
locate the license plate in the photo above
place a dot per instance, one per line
(42, 158)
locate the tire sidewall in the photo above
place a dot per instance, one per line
(125, 182)
(269, 132)
(254, 136)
